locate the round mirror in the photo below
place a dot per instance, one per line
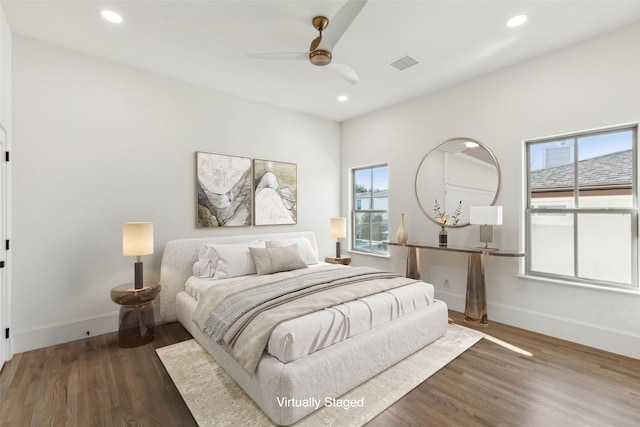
(454, 175)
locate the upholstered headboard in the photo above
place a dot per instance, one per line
(180, 255)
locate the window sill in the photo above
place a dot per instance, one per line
(580, 285)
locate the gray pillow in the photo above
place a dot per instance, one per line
(306, 251)
(273, 260)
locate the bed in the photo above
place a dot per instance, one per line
(311, 354)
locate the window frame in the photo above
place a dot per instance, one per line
(575, 211)
(355, 210)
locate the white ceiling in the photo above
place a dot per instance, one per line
(207, 42)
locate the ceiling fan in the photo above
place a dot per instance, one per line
(320, 51)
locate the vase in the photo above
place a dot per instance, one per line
(442, 238)
(401, 235)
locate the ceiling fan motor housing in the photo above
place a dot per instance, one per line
(320, 57)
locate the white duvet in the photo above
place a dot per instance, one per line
(307, 334)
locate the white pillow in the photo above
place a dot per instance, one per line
(226, 260)
(307, 252)
(204, 266)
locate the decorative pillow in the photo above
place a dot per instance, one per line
(307, 252)
(273, 260)
(206, 265)
(222, 261)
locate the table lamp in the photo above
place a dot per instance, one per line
(137, 240)
(485, 216)
(338, 230)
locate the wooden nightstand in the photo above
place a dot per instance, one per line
(344, 260)
(137, 320)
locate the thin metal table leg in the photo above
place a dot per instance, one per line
(413, 264)
(475, 310)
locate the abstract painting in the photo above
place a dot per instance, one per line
(275, 192)
(224, 190)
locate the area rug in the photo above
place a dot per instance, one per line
(215, 399)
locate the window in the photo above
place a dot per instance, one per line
(370, 216)
(582, 207)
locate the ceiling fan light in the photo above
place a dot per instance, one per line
(320, 57)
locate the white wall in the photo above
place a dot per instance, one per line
(97, 144)
(584, 86)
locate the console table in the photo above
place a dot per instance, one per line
(475, 309)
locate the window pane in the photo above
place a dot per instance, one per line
(605, 170)
(604, 247)
(552, 243)
(370, 230)
(362, 188)
(552, 173)
(380, 188)
(362, 228)
(362, 180)
(379, 231)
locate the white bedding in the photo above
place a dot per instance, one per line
(307, 334)
(196, 285)
(324, 374)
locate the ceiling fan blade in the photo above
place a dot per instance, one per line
(339, 23)
(280, 55)
(345, 72)
(315, 43)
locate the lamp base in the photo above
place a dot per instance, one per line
(486, 235)
(338, 249)
(138, 281)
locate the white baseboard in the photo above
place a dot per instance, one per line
(609, 339)
(604, 338)
(455, 302)
(58, 333)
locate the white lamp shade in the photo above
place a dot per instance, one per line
(485, 215)
(137, 238)
(338, 227)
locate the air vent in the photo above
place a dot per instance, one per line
(402, 63)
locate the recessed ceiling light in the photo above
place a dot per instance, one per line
(343, 98)
(111, 16)
(516, 21)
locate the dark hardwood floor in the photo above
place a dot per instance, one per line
(92, 382)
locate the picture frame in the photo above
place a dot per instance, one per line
(275, 192)
(224, 190)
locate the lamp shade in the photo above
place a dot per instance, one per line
(137, 238)
(485, 215)
(338, 227)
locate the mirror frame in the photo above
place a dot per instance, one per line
(415, 184)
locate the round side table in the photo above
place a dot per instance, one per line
(137, 321)
(344, 260)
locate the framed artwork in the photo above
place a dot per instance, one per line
(275, 195)
(224, 190)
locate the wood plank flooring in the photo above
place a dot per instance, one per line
(92, 382)
(559, 384)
